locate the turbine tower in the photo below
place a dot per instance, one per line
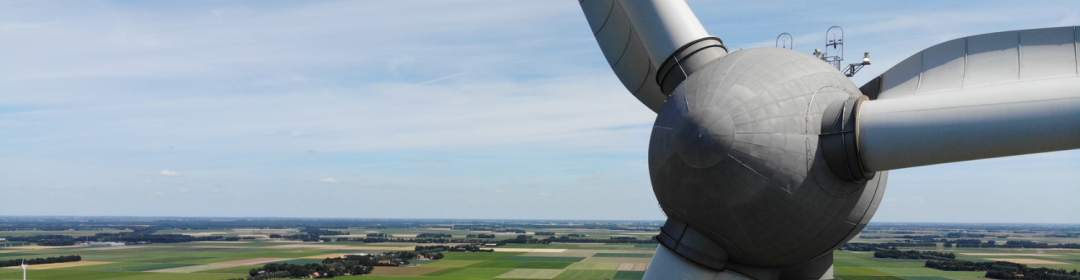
(23, 265)
(766, 160)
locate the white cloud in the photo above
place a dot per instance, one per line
(251, 91)
(168, 173)
(329, 180)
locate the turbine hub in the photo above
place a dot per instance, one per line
(734, 156)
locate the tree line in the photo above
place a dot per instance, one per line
(60, 259)
(123, 237)
(265, 276)
(975, 243)
(867, 247)
(1005, 270)
(893, 253)
(46, 240)
(457, 248)
(354, 264)
(433, 235)
(317, 231)
(329, 268)
(415, 240)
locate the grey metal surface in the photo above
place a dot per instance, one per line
(839, 139)
(687, 59)
(990, 95)
(637, 36)
(692, 245)
(734, 154)
(668, 265)
(663, 25)
(624, 51)
(737, 156)
(976, 123)
(695, 248)
(985, 60)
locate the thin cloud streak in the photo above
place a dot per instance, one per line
(507, 100)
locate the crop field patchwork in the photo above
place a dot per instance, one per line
(523, 264)
(593, 266)
(147, 267)
(586, 274)
(542, 259)
(61, 265)
(404, 271)
(633, 266)
(616, 260)
(223, 260)
(479, 256)
(469, 272)
(450, 263)
(629, 275)
(1027, 261)
(621, 255)
(527, 273)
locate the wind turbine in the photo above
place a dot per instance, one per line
(766, 160)
(23, 265)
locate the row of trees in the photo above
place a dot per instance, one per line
(1005, 270)
(354, 264)
(959, 243)
(306, 237)
(418, 240)
(893, 253)
(975, 243)
(60, 259)
(329, 268)
(123, 237)
(147, 237)
(867, 247)
(482, 235)
(317, 231)
(444, 248)
(614, 239)
(265, 276)
(46, 240)
(433, 235)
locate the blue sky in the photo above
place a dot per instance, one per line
(410, 109)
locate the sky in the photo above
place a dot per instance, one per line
(419, 109)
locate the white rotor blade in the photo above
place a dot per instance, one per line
(992, 95)
(637, 36)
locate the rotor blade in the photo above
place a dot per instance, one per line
(981, 60)
(624, 51)
(670, 30)
(985, 96)
(995, 121)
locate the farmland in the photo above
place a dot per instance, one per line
(233, 259)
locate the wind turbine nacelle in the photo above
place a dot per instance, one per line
(735, 155)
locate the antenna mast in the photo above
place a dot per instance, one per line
(785, 42)
(837, 43)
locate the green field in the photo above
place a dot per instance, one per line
(586, 274)
(221, 260)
